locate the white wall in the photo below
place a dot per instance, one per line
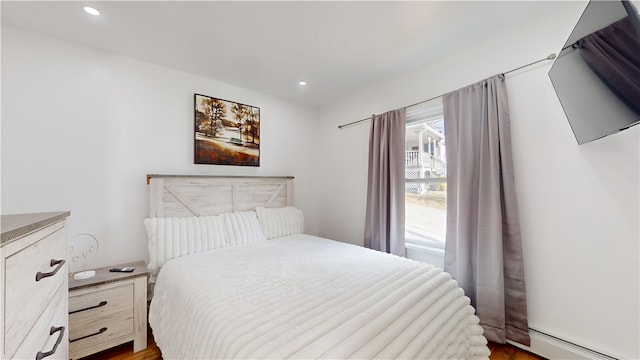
(81, 128)
(578, 204)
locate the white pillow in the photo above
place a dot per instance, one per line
(277, 222)
(179, 236)
(242, 227)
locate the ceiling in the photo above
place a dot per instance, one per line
(337, 47)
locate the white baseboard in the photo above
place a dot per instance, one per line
(552, 347)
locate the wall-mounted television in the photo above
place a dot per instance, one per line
(600, 102)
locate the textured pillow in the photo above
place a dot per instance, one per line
(277, 222)
(179, 236)
(242, 228)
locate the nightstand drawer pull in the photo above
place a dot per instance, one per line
(54, 262)
(90, 335)
(40, 355)
(102, 303)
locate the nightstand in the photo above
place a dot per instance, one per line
(108, 309)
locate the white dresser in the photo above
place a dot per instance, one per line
(34, 301)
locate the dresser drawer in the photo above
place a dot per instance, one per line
(49, 333)
(29, 293)
(100, 316)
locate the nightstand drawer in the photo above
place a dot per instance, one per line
(100, 315)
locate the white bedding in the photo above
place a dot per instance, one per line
(305, 297)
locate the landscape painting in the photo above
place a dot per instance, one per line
(226, 132)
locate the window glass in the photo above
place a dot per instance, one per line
(426, 183)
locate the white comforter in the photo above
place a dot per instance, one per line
(305, 297)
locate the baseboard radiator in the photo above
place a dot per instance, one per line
(552, 347)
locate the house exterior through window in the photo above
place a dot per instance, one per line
(425, 183)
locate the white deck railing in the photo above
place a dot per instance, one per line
(412, 159)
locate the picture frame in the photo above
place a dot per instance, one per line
(225, 132)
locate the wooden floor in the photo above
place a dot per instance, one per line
(509, 352)
(125, 352)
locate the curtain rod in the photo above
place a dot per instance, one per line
(550, 57)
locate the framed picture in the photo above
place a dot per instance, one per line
(225, 132)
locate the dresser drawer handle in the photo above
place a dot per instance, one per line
(40, 355)
(90, 335)
(102, 303)
(54, 262)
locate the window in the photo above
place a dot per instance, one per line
(425, 183)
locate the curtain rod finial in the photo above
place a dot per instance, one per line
(551, 57)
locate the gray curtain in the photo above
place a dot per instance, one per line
(483, 251)
(384, 221)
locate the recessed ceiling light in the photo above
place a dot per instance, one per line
(92, 11)
(302, 83)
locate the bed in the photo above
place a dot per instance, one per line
(235, 277)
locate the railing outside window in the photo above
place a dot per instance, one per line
(412, 159)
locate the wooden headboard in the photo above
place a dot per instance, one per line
(200, 195)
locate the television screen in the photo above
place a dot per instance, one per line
(594, 101)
